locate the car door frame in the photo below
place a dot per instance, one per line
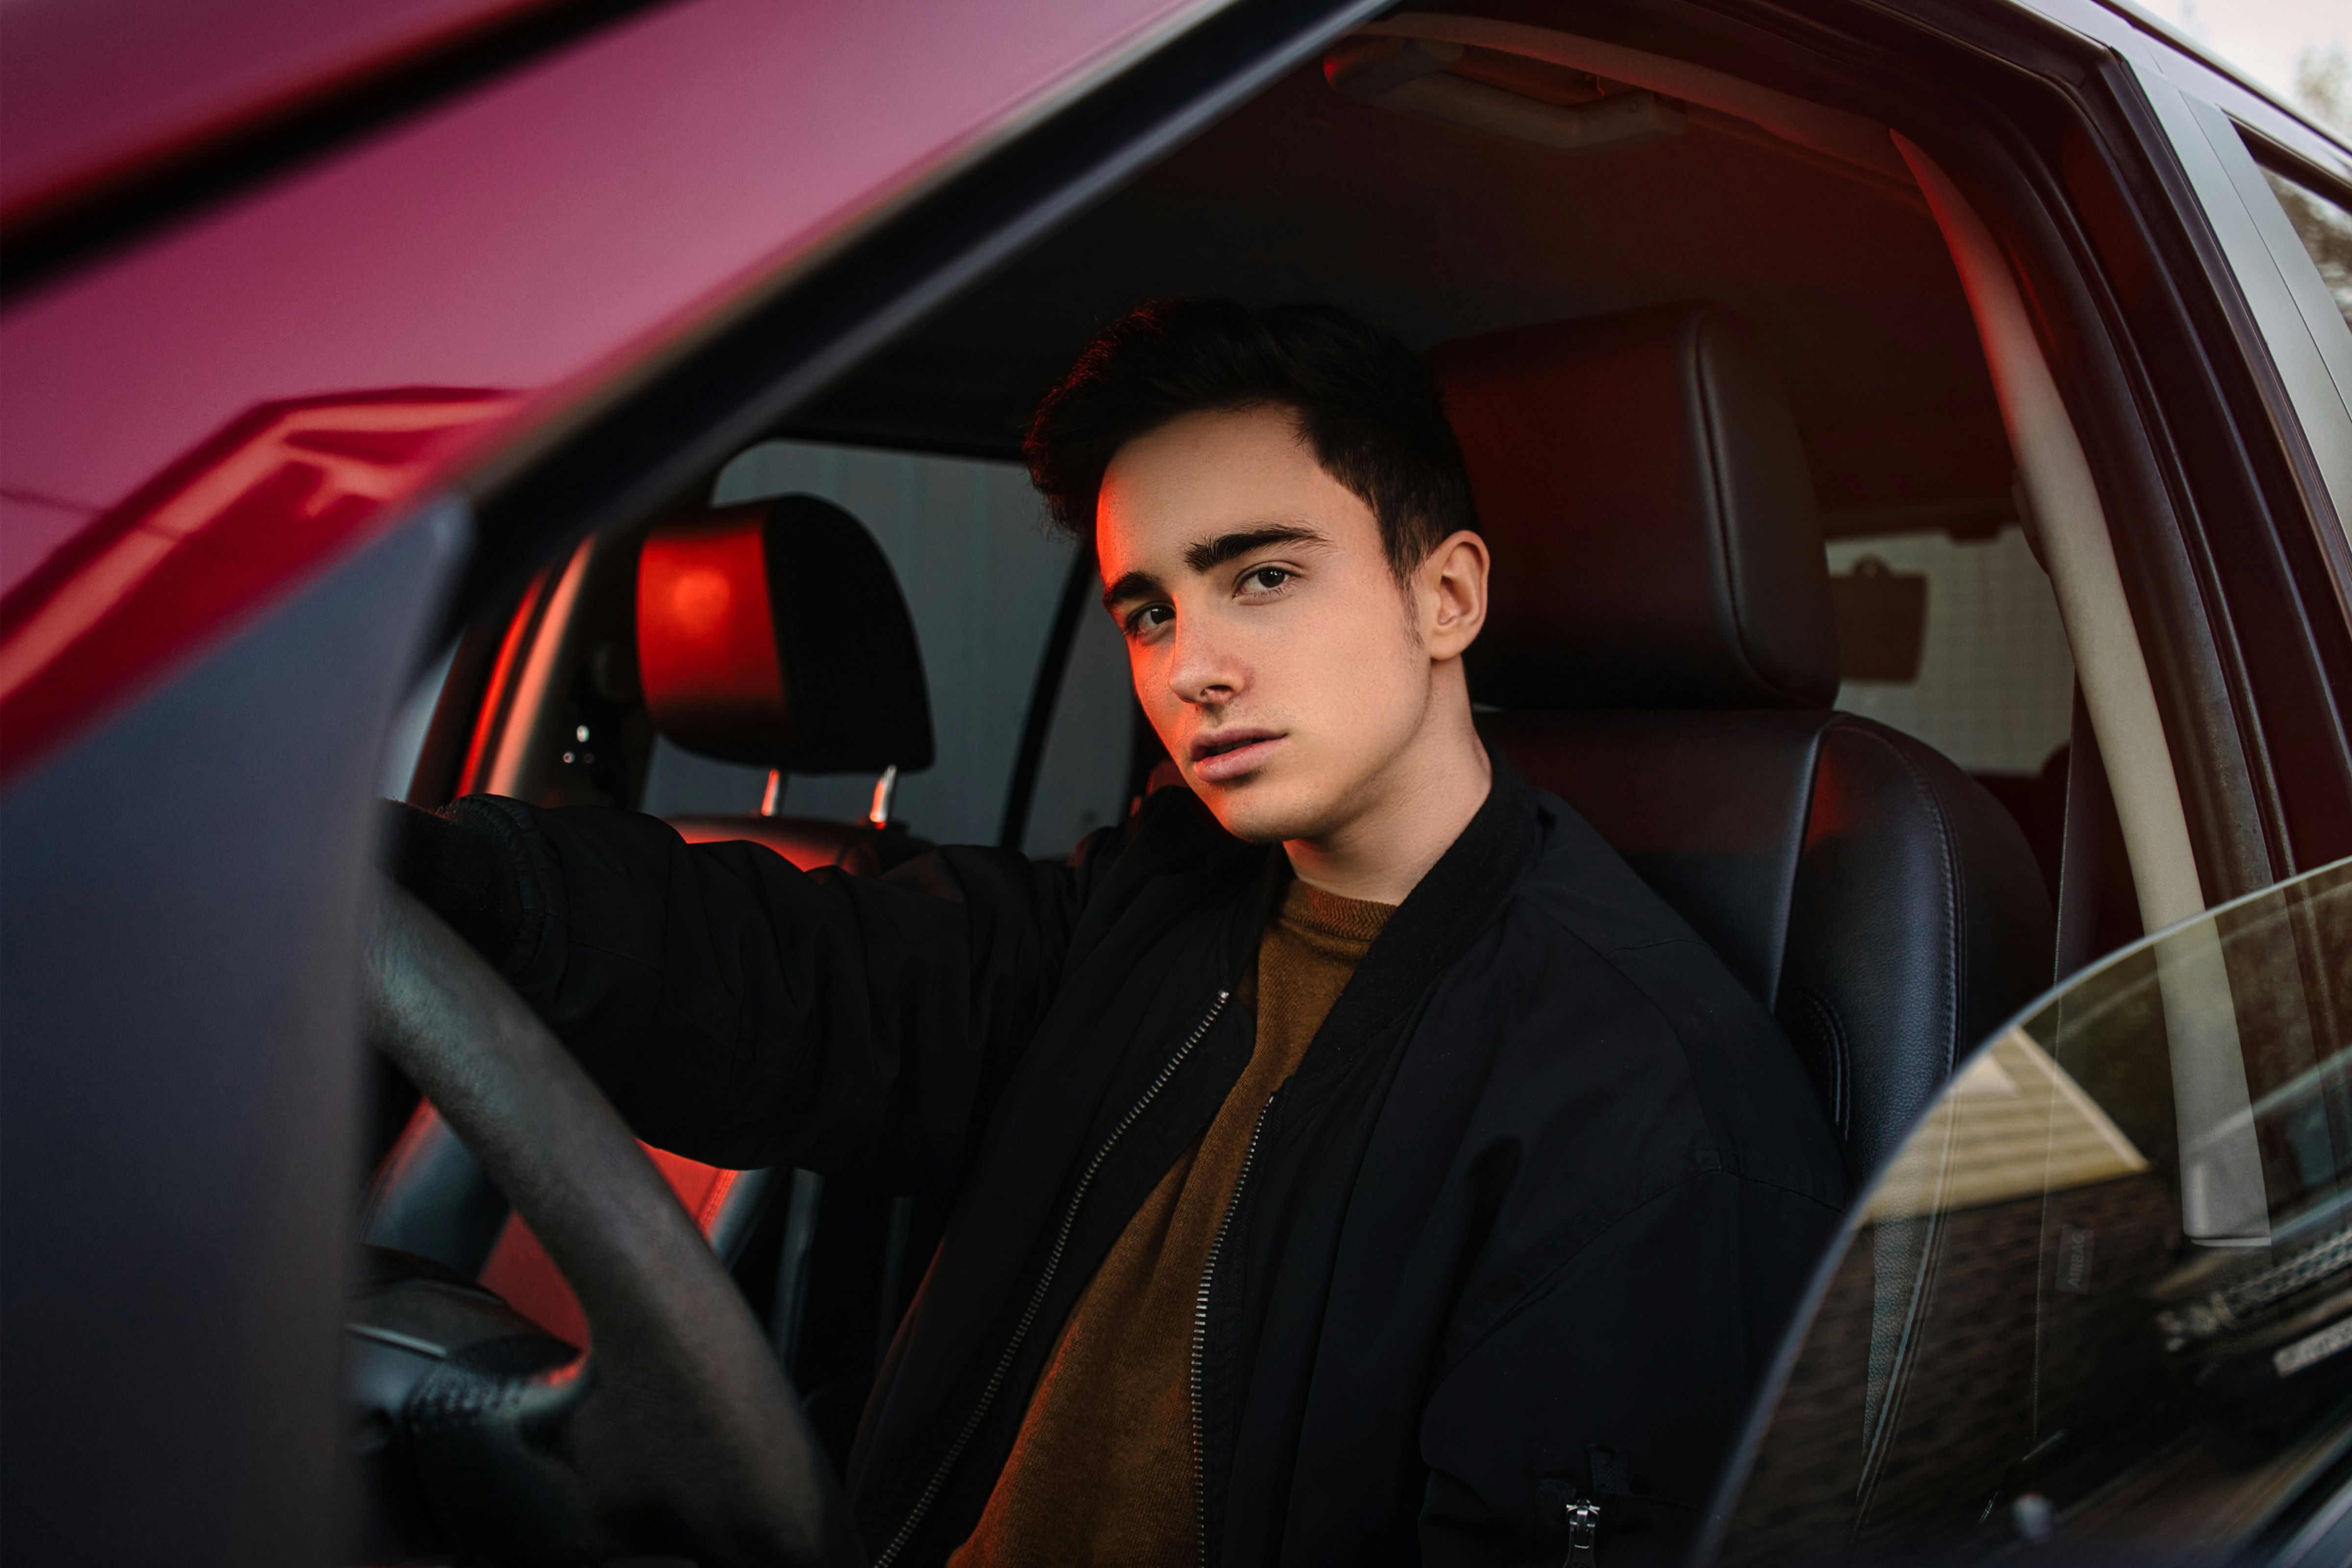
(2232, 580)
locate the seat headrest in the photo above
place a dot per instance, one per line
(1642, 489)
(774, 634)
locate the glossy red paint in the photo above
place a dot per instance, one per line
(92, 91)
(224, 524)
(545, 234)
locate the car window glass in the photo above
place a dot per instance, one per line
(1994, 684)
(1082, 778)
(981, 572)
(1953, 635)
(2103, 1293)
(2326, 229)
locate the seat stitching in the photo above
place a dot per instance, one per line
(1840, 1052)
(1720, 488)
(1953, 957)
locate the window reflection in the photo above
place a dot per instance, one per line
(2326, 229)
(2103, 1293)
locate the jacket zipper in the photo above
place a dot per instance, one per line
(931, 1489)
(1583, 1532)
(1201, 1333)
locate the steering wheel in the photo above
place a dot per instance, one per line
(675, 1435)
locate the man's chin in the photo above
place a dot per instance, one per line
(1258, 811)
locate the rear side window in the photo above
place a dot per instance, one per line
(1953, 635)
(1084, 774)
(1957, 641)
(2326, 229)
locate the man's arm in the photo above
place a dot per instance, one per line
(742, 1012)
(1622, 1382)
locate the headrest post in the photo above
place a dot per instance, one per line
(772, 801)
(884, 788)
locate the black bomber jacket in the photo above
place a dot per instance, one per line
(1522, 1232)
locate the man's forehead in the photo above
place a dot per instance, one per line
(1173, 500)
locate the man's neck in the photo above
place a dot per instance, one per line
(1417, 809)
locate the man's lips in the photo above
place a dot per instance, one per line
(1230, 753)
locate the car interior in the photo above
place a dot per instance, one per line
(1769, 603)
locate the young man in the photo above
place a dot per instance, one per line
(1352, 1158)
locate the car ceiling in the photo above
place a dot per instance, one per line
(1434, 232)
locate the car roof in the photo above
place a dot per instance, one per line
(2173, 37)
(1435, 232)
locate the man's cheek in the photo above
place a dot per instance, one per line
(1149, 695)
(1162, 712)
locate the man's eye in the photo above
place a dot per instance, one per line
(1265, 579)
(1150, 615)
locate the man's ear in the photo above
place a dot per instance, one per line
(1452, 593)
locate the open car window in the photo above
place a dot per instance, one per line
(2103, 1293)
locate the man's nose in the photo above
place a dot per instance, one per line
(1199, 670)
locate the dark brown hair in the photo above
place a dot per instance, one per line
(1367, 407)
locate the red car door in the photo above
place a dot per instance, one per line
(293, 292)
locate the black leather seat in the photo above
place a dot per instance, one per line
(1663, 654)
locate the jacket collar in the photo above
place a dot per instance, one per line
(1439, 920)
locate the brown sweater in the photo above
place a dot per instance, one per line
(1102, 1470)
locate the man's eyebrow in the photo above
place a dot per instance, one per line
(1213, 553)
(1133, 585)
(1206, 555)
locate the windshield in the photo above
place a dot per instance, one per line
(2103, 1293)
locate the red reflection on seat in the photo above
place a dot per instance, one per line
(283, 488)
(520, 1270)
(707, 635)
(1834, 810)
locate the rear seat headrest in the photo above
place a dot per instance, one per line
(1640, 486)
(774, 634)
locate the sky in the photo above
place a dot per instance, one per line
(2263, 38)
